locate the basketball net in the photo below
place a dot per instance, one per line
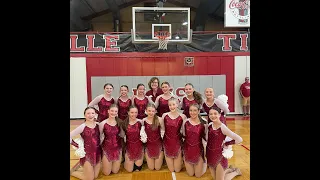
(163, 38)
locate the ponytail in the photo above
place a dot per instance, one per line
(202, 121)
(197, 97)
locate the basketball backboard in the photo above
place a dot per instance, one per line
(146, 21)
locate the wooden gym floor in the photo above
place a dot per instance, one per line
(240, 159)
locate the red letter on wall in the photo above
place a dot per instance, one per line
(244, 42)
(110, 43)
(90, 44)
(226, 41)
(74, 44)
(178, 91)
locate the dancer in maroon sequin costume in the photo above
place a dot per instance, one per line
(161, 102)
(124, 102)
(172, 138)
(134, 146)
(194, 130)
(216, 135)
(209, 103)
(141, 101)
(89, 132)
(153, 148)
(103, 101)
(191, 97)
(111, 142)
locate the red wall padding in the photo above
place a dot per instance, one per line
(164, 64)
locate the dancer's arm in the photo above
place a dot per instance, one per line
(95, 101)
(132, 100)
(236, 138)
(180, 105)
(75, 132)
(206, 128)
(182, 130)
(141, 121)
(156, 102)
(101, 126)
(115, 100)
(150, 100)
(161, 121)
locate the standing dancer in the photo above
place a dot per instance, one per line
(103, 101)
(208, 102)
(124, 102)
(211, 101)
(191, 97)
(161, 102)
(140, 101)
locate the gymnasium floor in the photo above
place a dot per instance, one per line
(240, 159)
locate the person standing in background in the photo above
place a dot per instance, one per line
(155, 90)
(245, 94)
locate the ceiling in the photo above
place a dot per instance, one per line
(83, 11)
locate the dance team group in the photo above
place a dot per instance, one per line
(152, 126)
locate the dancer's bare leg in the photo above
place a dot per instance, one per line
(158, 162)
(177, 163)
(198, 168)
